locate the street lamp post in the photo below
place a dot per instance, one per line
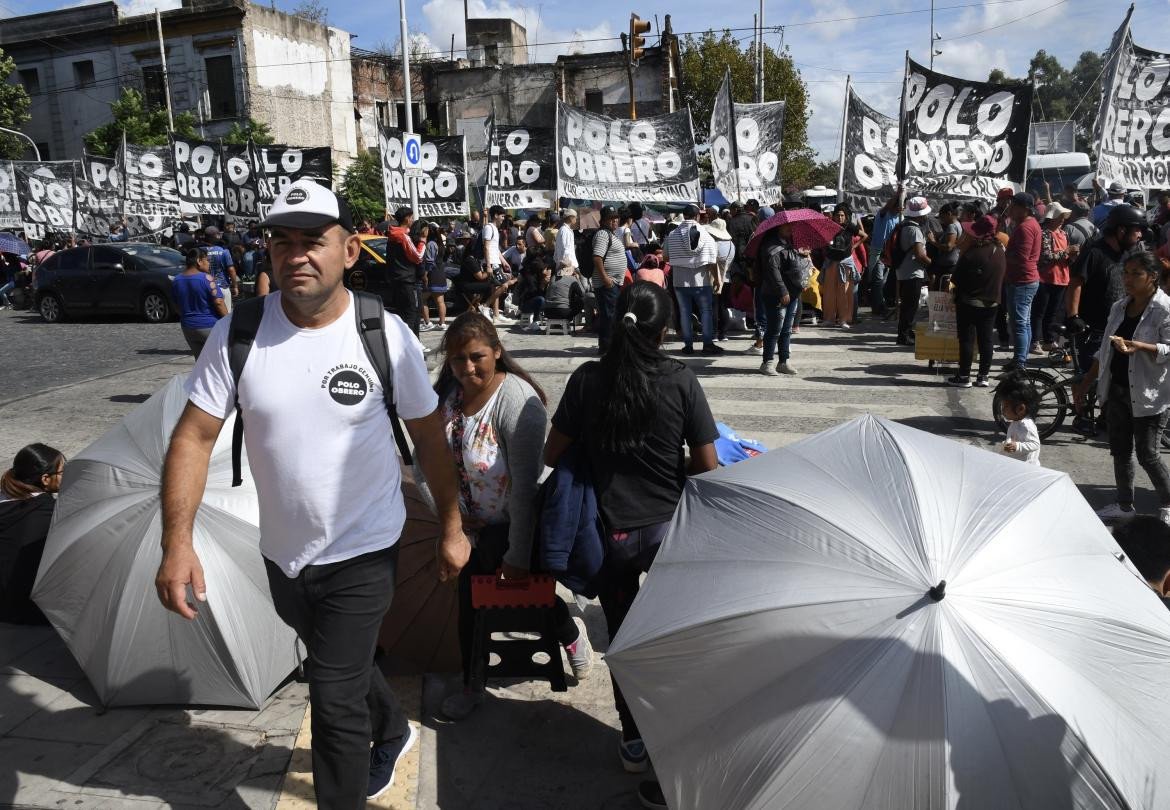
(36, 151)
(413, 181)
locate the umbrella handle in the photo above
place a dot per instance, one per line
(938, 591)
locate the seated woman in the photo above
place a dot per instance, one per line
(26, 510)
(494, 414)
(476, 285)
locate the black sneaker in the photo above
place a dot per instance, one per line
(650, 795)
(958, 381)
(384, 759)
(1013, 365)
(687, 350)
(711, 348)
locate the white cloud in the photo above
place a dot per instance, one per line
(136, 7)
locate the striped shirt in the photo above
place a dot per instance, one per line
(607, 245)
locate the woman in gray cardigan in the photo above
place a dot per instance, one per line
(495, 417)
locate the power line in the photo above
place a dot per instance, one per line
(1009, 22)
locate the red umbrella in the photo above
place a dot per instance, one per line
(810, 229)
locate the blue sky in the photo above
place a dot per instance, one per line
(824, 42)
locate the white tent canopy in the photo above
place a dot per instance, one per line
(96, 579)
(784, 651)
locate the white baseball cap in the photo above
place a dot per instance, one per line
(308, 204)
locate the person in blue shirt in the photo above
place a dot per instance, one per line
(883, 225)
(223, 266)
(199, 299)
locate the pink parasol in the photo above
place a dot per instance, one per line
(810, 229)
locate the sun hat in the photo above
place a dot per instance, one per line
(917, 207)
(718, 229)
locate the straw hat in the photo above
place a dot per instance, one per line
(718, 229)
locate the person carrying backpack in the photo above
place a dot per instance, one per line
(318, 379)
(978, 280)
(907, 246)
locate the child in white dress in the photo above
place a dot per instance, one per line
(1018, 403)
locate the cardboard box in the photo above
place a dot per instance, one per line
(939, 348)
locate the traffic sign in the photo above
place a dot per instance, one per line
(411, 151)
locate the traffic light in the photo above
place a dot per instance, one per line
(638, 26)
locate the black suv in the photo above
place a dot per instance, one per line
(131, 277)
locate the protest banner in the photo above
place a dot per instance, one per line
(521, 168)
(241, 191)
(148, 176)
(9, 201)
(721, 142)
(442, 186)
(1133, 124)
(199, 176)
(45, 191)
(962, 138)
(97, 196)
(649, 160)
(869, 156)
(280, 166)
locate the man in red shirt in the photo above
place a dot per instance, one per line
(404, 262)
(1023, 276)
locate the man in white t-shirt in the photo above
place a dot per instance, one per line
(693, 258)
(322, 455)
(565, 253)
(492, 258)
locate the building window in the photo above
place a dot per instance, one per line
(153, 87)
(43, 148)
(31, 80)
(416, 115)
(221, 86)
(83, 73)
(433, 118)
(383, 112)
(491, 54)
(593, 101)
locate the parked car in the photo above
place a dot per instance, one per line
(128, 278)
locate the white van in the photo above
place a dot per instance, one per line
(1059, 170)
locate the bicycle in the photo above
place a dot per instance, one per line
(1056, 399)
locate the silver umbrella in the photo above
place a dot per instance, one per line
(96, 580)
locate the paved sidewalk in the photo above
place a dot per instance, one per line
(527, 748)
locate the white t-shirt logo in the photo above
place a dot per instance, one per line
(348, 387)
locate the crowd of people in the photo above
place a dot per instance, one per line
(632, 424)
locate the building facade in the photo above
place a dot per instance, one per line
(226, 60)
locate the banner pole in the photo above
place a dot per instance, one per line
(732, 144)
(841, 152)
(900, 168)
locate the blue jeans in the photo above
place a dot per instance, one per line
(877, 286)
(606, 306)
(534, 306)
(779, 325)
(7, 288)
(687, 296)
(1020, 309)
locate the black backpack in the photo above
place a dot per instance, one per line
(245, 323)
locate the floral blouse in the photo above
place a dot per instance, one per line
(483, 471)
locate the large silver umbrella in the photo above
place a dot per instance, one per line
(96, 580)
(876, 618)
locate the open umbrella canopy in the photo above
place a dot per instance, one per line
(10, 243)
(810, 229)
(792, 646)
(96, 579)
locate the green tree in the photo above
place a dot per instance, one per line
(141, 124)
(1062, 94)
(14, 104)
(824, 174)
(362, 186)
(703, 59)
(258, 130)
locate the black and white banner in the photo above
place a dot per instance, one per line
(962, 138)
(721, 142)
(9, 201)
(759, 135)
(95, 212)
(610, 159)
(241, 183)
(148, 176)
(46, 196)
(869, 168)
(522, 171)
(199, 176)
(1133, 125)
(281, 166)
(442, 188)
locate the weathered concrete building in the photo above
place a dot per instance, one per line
(226, 60)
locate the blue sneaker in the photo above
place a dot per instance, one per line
(634, 756)
(383, 760)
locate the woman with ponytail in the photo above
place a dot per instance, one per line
(26, 510)
(635, 412)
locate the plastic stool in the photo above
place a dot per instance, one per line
(563, 324)
(524, 606)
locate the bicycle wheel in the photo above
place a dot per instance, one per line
(1054, 401)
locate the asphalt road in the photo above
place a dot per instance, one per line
(37, 356)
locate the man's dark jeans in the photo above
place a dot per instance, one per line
(976, 328)
(337, 610)
(606, 306)
(403, 302)
(909, 293)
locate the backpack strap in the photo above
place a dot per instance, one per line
(245, 323)
(370, 311)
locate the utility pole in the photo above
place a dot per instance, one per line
(760, 60)
(413, 181)
(162, 54)
(934, 37)
(36, 152)
(629, 74)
